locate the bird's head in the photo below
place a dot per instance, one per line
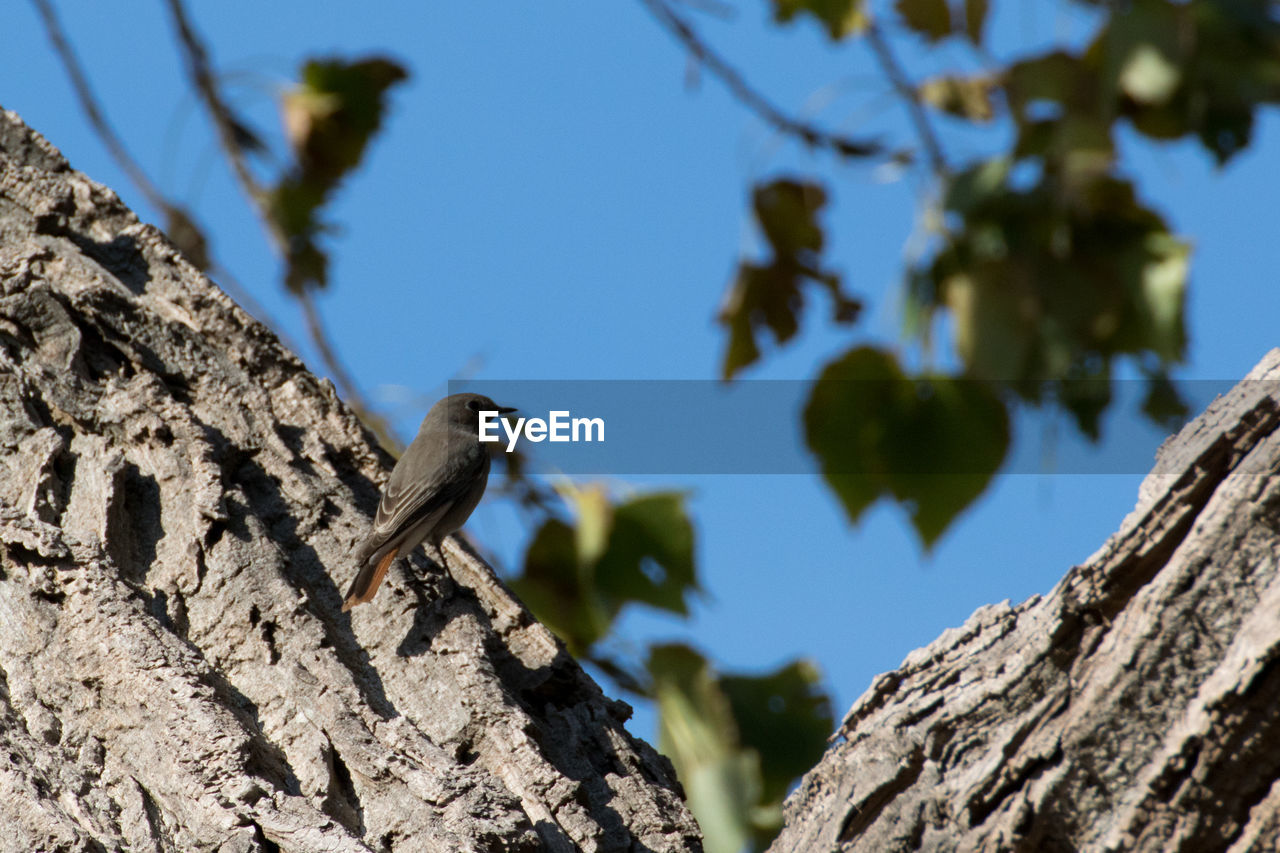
(463, 410)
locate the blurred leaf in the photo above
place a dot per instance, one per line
(1057, 77)
(840, 17)
(1163, 296)
(696, 730)
(1174, 69)
(769, 295)
(787, 212)
(737, 741)
(649, 558)
(329, 119)
(307, 265)
(334, 111)
(970, 189)
(1149, 76)
(554, 587)
(577, 578)
(975, 19)
(929, 18)
(966, 97)
(1086, 395)
(762, 296)
(1053, 281)
(786, 717)
(595, 519)
(994, 324)
(932, 443)
(1163, 405)
(1073, 144)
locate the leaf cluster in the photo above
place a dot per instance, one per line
(1042, 257)
(330, 116)
(738, 740)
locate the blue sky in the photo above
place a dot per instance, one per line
(557, 197)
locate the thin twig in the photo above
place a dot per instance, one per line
(89, 103)
(915, 109)
(320, 337)
(206, 86)
(621, 676)
(202, 78)
(96, 115)
(737, 85)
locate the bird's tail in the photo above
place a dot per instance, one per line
(368, 580)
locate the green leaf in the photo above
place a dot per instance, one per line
(578, 578)
(331, 115)
(840, 17)
(769, 296)
(786, 717)
(975, 186)
(975, 19)
(994, 331)
(1057, 77)
(306, 265)
(1163, 405)
(929, 18)
(329, 118)
(737, 741)
(649, 558)
(1086, 396)
(762, 297)
(696, 730)
(1198, 68)
(1163, 296)
(594, 514)
(787, 212)
(931, 443)
(561, 595)
(1148, 76)
(1053, 282)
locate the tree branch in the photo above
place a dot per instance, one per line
(229, 136)
(749, 97)
(96, 116)
(89, 103)
(198, 67)
(915, 109)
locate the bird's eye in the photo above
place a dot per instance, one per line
(473, 405)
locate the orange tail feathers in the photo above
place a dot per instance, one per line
(367, 581)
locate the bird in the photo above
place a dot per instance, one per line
(431, 491)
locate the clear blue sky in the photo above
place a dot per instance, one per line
(553, 200)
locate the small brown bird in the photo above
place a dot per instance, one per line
(431, 492)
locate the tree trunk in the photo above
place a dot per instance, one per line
(178, 501)
(1134, 707)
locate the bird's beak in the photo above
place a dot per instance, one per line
(506, 410)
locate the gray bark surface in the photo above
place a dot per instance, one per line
(1136, 706)
(179, 498)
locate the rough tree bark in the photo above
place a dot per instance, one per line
(178, 500)
(1134, 707)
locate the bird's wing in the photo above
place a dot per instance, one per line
(412, 495)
